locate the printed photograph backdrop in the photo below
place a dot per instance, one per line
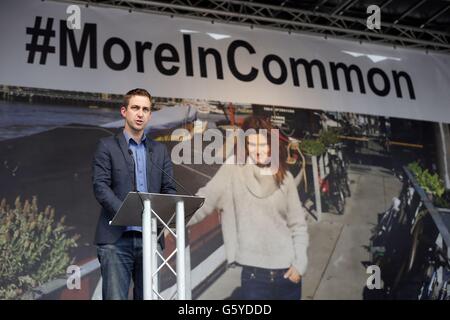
(53, 112)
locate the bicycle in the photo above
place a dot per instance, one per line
(335, 187)
(332, 194)
(339, 168)
(437, 278)
(391, 239)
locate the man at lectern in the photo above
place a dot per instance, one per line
(123, 163)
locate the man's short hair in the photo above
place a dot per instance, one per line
(136, 92)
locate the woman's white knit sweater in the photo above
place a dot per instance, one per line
(263, 225)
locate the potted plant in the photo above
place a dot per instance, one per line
(430, 183)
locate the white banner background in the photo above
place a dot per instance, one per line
(430, 73)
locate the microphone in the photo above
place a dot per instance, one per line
(166, 174)
(135, 179)
(134, 170)
(150, 151)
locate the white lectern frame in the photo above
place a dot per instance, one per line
(146, 210)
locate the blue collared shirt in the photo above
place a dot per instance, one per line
(140, 160)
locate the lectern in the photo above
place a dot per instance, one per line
(149, 210)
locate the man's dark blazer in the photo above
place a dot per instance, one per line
(113, 177)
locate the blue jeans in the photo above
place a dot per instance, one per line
(267, 284)
(119, 263)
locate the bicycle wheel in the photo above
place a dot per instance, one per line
(345, 187)
(444, 293)
(339, 202)
(340, 172)
(429, 289)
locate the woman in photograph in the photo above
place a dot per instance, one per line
(263, 221)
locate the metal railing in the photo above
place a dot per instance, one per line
(435, 213)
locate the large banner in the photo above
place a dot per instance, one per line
(115, 50)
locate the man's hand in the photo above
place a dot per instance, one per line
(293, 275)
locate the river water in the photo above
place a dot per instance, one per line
(19, 119)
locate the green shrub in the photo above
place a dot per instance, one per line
(329, 137)
(34, 248)
(415, 169)
(312, 147)
(431, 183)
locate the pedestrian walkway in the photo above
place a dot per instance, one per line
(338, 244)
